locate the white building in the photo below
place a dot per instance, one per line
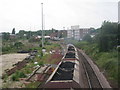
(69, 33)
(77, 33)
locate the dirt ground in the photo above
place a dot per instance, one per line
(9, 59)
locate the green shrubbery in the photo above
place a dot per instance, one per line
(47, 42)
(103, 49)
(34, 40)
(18, 45)
(33, 85)
(8, 49)
(107, 61)
(17, 75)
(40, 63)
(12, 47)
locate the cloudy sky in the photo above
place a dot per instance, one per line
(26, 14)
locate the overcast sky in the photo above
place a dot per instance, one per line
(26, 14)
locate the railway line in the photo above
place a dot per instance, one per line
(75, 71)
(92, 78)
(69, 75)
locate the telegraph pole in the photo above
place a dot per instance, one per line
(42, 24)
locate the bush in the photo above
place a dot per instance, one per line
(14, 78)
(32, 85)
(5, 49)
(34, 40)
(87, 38)
(17, 75)
(108, 61)
(81, 45)
(18, 45)
(21, 75)
(47, 42)
(40, 63)
(5, 77)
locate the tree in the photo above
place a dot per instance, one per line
(5, 36)
(28, 35)
(108, 36)
(103, 43)
(87, 38)
(13, 31)
(53, 30)
(21, 33)
(18, 45)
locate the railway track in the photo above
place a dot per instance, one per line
(75, 71)
(92, 78)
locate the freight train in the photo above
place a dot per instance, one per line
(66, 74)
